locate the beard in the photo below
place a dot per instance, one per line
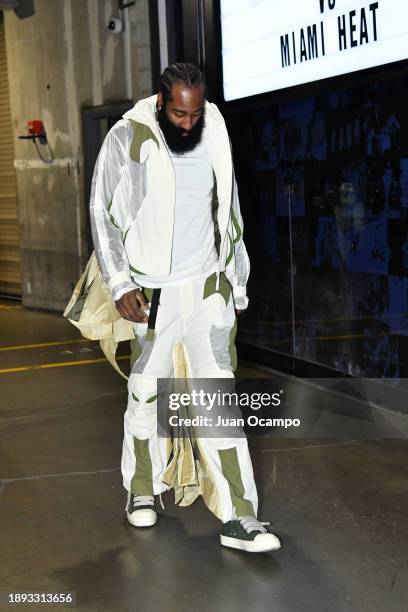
(174, 135)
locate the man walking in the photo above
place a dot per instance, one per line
(167, 231)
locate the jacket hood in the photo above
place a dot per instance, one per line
(144, 111)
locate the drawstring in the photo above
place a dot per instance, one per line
(161, 501)
(217, 285)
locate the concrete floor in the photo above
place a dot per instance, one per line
(340, 506)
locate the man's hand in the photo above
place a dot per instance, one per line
(238, 312)
(130, 306)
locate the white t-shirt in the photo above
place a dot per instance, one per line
(194, 253)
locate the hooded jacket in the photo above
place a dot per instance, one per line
(132, 205)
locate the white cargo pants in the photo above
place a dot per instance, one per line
(203, 320)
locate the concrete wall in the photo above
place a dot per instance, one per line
(60, 60)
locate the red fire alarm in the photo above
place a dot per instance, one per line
(36, 130)
(35, 127)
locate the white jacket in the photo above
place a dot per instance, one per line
(133, 202)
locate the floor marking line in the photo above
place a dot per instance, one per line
(17, 347)
(58, 475)
(47, 413)
(10, 307)
(6, 481)
(62, 364)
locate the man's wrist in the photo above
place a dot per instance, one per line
(241, 302)
(119, 290)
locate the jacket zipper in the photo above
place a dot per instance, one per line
(217, 284)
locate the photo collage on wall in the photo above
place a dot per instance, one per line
(323, 184)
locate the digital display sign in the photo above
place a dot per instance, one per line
(269, 45)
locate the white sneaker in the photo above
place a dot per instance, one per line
(249, 534)
(140, 510)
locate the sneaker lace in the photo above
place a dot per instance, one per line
(250, 523)
(143, 500)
